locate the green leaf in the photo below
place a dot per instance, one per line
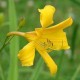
(14, 45)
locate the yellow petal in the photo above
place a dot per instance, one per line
(53, 40)
(57, 40)
(27, 54)
(30, 36)
(46, 15)
(48, 60)
(68, 22)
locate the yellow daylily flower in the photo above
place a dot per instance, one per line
(44, 39)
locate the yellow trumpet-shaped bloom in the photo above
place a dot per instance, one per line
(44, 39)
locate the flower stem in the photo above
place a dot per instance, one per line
(59, 66)
(37, 70)
(14, 45)
(76, 73)
(3, 44)
(16, 33)
(2, 73)
(74, 36)
(8, 39)
(76, 2)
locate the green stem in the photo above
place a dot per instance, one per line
(7, 40)
(30, 70)
(14, 46)
(59, 66)
(73, 41)
(76, 2)
(2, 73)
(37, 70)
(3, 44)
(76, 73)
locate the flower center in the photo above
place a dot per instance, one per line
(46, 44)
(49, 44)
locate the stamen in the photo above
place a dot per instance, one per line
(46, 44)
(52, 44)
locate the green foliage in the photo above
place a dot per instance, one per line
(14, 45)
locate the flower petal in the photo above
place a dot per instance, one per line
(53, 40)
(46, 15)
(27, 54)
(68, 22)
(48, 60)
(30, 36)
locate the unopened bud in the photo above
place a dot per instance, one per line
(21, 22)
(1, 18)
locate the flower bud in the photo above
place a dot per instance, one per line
(21, 22)
(1, 18)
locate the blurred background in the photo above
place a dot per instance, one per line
(68, 61)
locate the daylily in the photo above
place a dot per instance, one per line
(44, 39)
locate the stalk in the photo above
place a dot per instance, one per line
(14, 46)
(76, 73)
(59, 66)
(37, 70)
(2, 73)
(74, 36)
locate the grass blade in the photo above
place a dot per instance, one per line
(14, 45)
(37, 70)
(76, 73)
(2, 73)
